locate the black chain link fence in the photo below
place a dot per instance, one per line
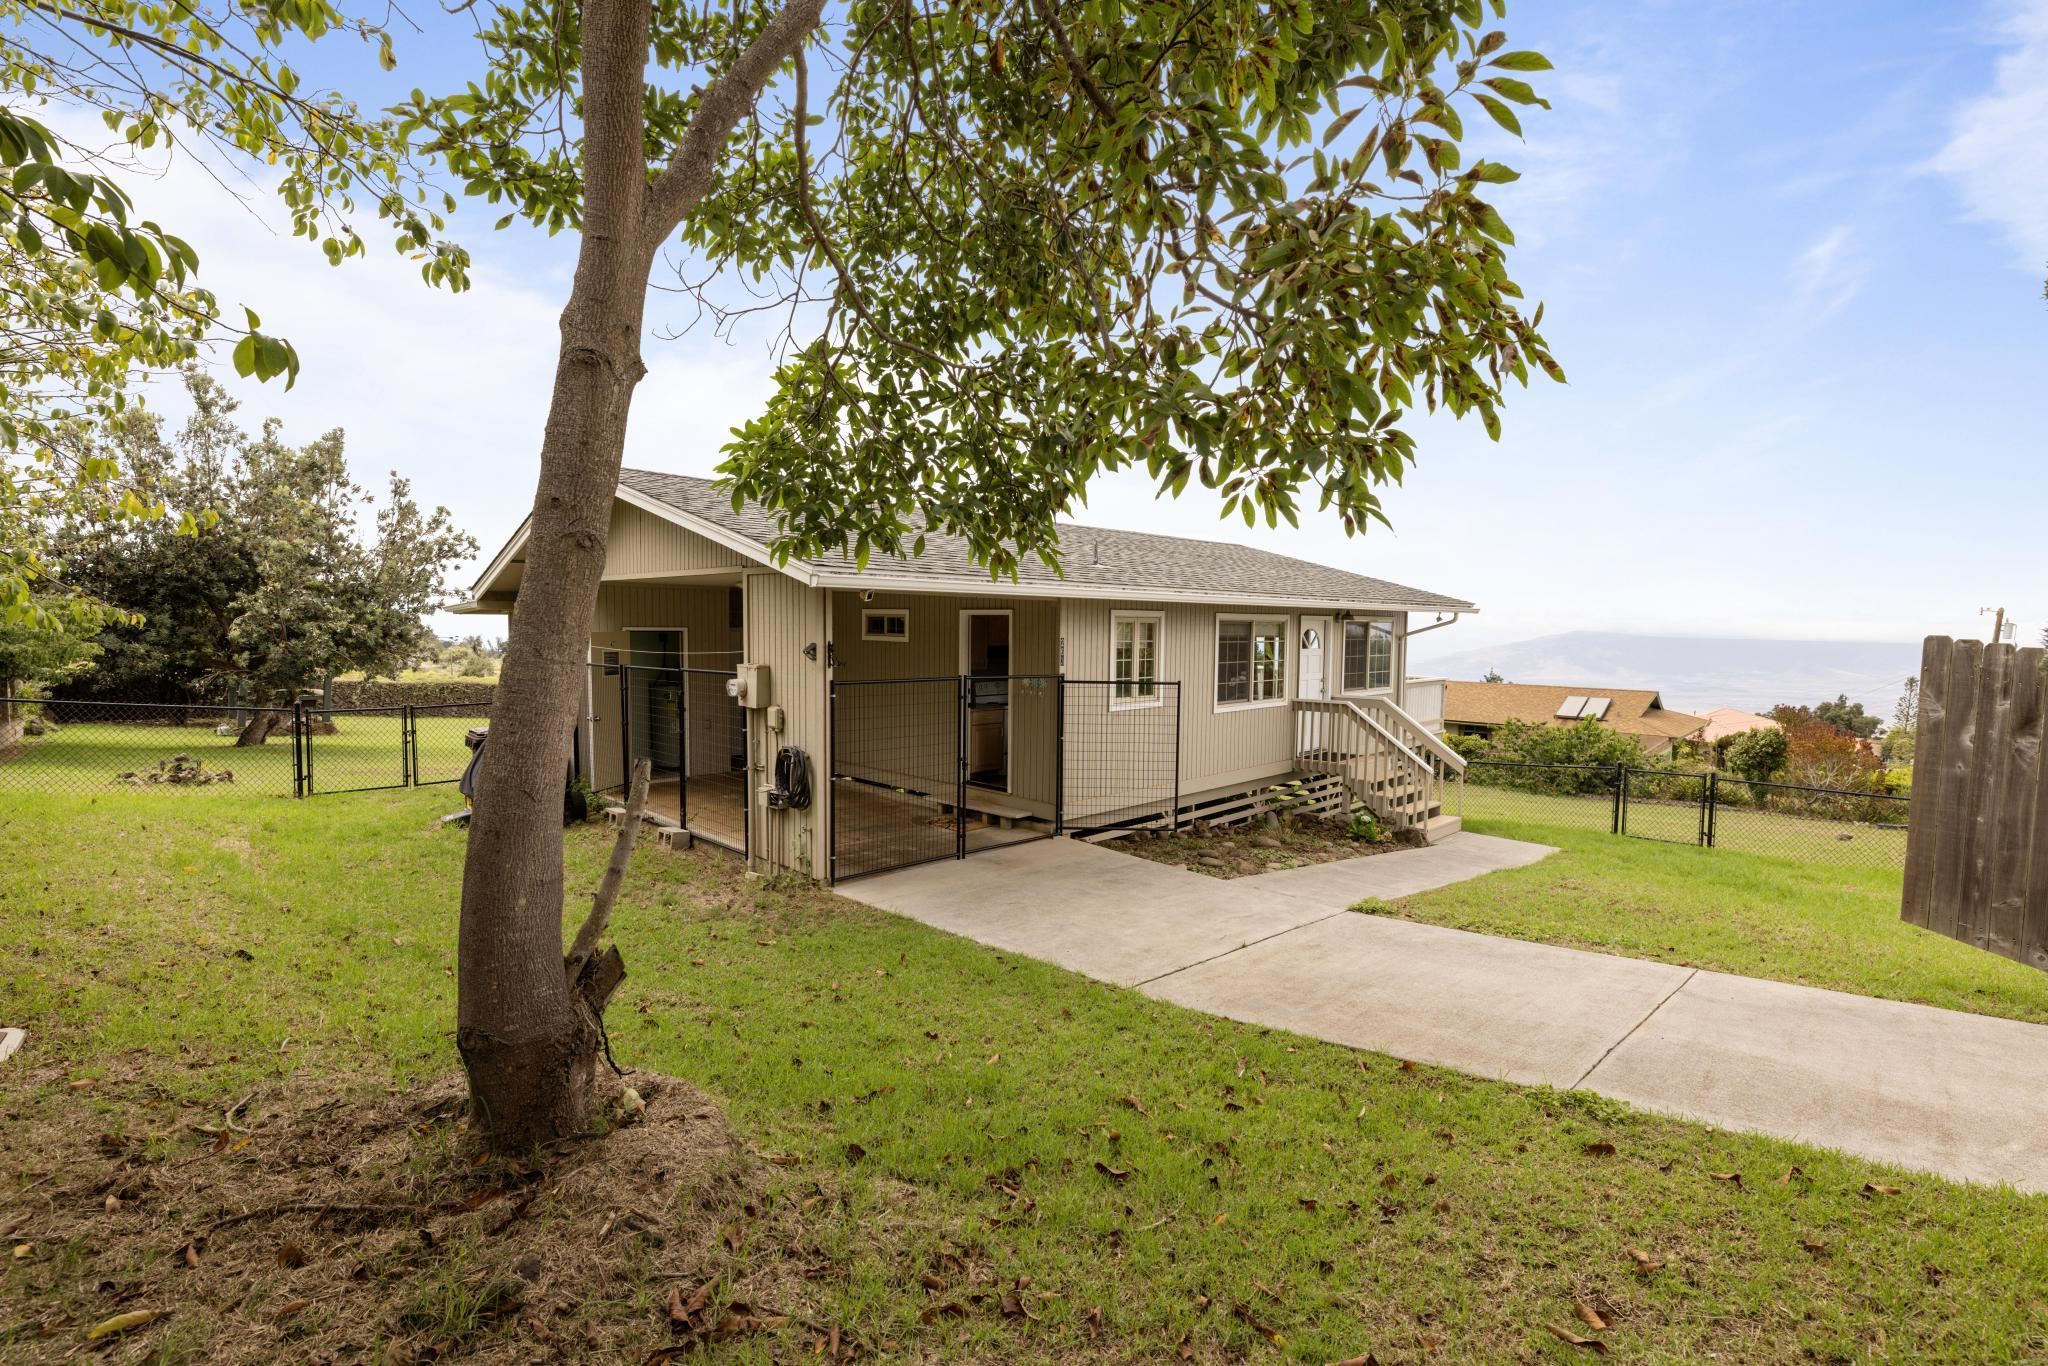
(1713, 810)
(692, 732)
(52, 747)
(57, 747)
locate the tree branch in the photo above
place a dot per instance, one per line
(687, 178)
(607, 893)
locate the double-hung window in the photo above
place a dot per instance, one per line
(1251, 661)
(1368, 656)
(1134, 659)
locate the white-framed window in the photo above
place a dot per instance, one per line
(884, 623)
(1368, 655)
(1251, 661)
(1134, 658)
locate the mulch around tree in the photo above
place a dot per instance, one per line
(344, 1226)
(1250, 849)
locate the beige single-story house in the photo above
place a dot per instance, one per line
(834, 721)
(1482, 708)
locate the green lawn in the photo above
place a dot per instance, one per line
(1737, 828)
(1278, 1198)
(1821, 924)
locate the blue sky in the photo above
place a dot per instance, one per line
(1793, 260)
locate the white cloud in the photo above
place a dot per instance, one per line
(1829, 273)
(1994, 152)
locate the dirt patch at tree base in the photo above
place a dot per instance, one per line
(345, 1227)
(1247, 850)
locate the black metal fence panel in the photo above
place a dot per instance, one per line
(1120, 755)
(354, 749)
(1667, 806)
(898, 781)
(84, 747)
(1776, 820)
(1815, 824)
(438, 739)
(692, 732)
(1570, 796)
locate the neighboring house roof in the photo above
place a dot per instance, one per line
(1632, 711)
(1725, 721)
(1097, 561)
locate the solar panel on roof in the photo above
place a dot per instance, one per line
(1596, 708)
(1569, 709)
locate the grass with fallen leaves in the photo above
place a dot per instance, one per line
(1823, 925)
(1023, 1164)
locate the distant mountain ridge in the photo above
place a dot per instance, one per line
(1695, 673)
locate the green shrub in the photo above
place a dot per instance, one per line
(1756, 754)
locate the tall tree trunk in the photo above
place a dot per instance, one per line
(530, 1049)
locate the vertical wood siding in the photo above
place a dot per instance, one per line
(704, 611)
(642, 543)
(932, 650)
(784, 616)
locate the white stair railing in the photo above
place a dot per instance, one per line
(1388, 760)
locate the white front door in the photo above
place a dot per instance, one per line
(1313, 685)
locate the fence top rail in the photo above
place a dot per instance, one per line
(1524, 763)
(152, 706)
(1699, 775)
(1821, 791)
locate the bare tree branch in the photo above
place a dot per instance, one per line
(607, 894)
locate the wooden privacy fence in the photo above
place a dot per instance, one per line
(1977, 849)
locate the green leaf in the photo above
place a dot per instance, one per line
(1502, 115)
(1521, 92)
(1521, 61)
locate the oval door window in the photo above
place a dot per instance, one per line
(1311, 639)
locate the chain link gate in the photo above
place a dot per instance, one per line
(898, 773)
(350, 749)
(1670, 807)
(692, 732)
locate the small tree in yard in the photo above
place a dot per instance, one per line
(1819, 755)
(1234, 242)
(283, 589)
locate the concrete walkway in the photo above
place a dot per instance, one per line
(1964, 1096)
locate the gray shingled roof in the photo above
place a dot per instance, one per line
(1100, 558)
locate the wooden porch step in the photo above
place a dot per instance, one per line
(1437, 827)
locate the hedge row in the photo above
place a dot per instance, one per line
(384, 692)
